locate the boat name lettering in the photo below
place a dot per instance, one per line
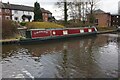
(40, 32)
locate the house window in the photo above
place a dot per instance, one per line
(117, 16)
(50, 15)
(16, 12)
(96, 21)
(7, 10)
(45, 14)
(46, 19)
(7, 17)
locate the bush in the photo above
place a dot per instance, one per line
(33, 25)
(23, 23)
(9, 29)
(78, 24)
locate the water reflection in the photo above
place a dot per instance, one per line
(93, 57)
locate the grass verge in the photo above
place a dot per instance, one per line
(34, 25)
(105, 28)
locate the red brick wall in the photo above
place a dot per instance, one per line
(104, 19)
(45, 16)
(4, 13)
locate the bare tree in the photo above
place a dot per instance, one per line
(63, 4)
(92, 5)
(65, 11)
(78, 9)
(73, 11)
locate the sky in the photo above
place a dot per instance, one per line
(105, 5)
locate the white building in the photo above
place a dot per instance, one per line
(17, 15)
(18, 11)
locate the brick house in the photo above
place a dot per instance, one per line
(102, 19)
(16, 12)
(5, 12)
(46, 14)
(115, 20)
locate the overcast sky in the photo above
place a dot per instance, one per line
(106, 5)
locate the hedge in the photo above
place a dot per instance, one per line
(9, 29)
(33, 25)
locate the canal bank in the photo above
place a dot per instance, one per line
(9, 41)
(17, 41)
(107, 31)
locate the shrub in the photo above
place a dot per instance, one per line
(23, 23)
(9, 29)
(78, 24)
(33, 25)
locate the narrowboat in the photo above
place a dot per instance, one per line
(34, 35)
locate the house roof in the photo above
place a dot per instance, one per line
(19, 7)
(99, 11)
(46, 11)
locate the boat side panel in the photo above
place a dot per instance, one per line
(57, 32)
(85, 29)
(40, 33)
(73, 31)
(93, 29)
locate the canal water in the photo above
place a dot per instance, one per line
(82, 57)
